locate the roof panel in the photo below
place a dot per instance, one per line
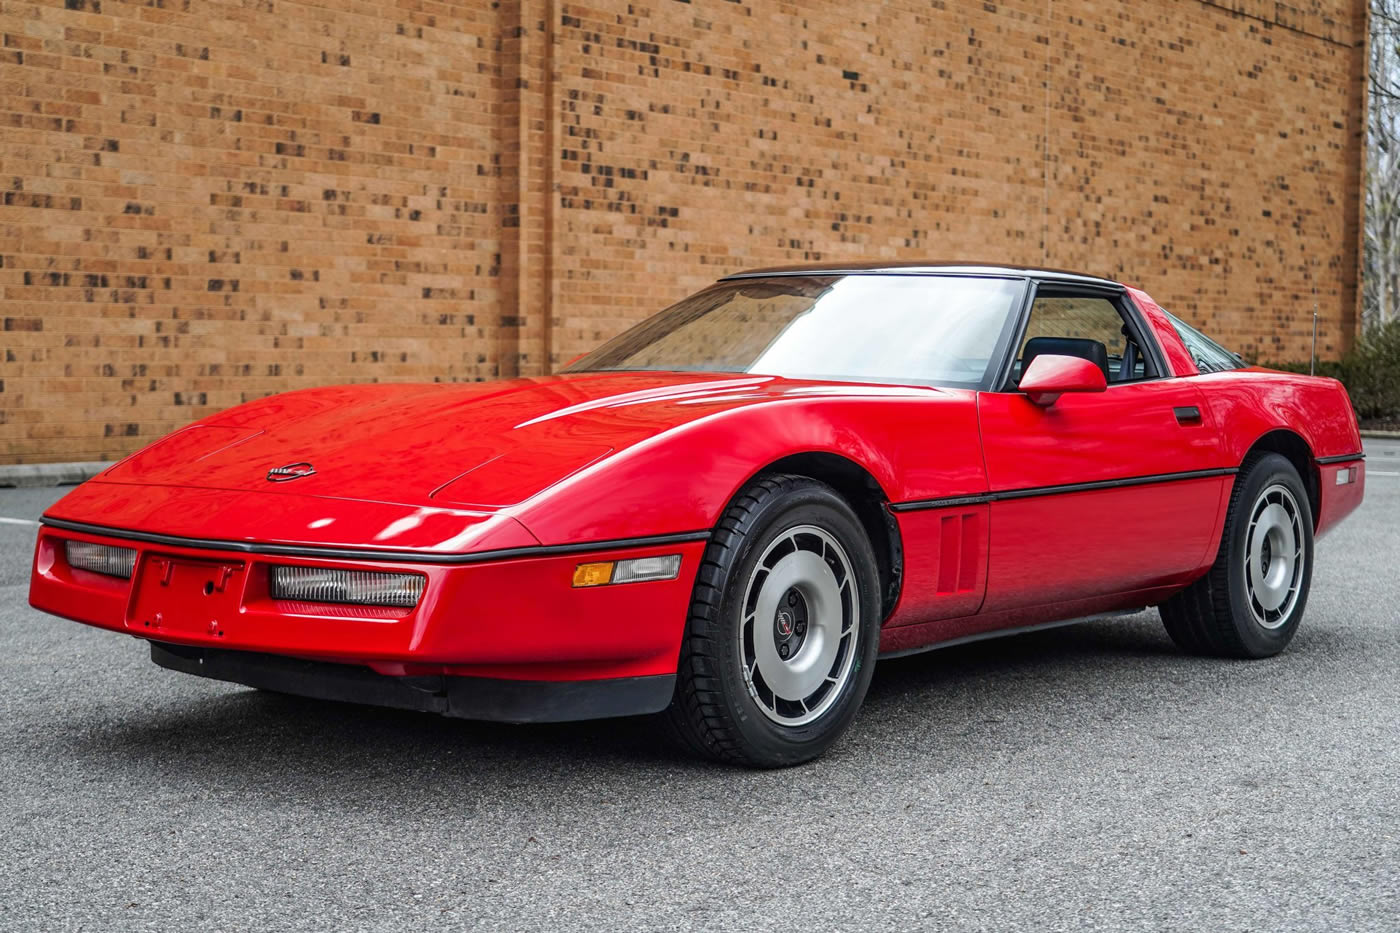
(925, 268)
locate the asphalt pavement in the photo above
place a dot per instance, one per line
(1085, 778)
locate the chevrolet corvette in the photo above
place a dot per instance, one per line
(729, 512)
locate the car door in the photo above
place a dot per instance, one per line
(1099, 493)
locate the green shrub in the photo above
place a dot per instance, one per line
(1371, 372)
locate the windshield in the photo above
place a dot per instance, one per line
(921, 329)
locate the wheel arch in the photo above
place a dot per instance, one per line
(1295, 449)
(867, 498)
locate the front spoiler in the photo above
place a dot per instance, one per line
(483, 698)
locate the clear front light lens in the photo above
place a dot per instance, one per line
(647, 568)
(357, 587)
(101, 558)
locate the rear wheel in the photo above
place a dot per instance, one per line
(783, 628)
(1250, 603)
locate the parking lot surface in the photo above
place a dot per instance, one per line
(1090, 777)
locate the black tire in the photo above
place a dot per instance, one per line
(717, 711)
(1221, 614)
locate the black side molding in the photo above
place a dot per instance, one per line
(1342, 458)
(483, 698)
(1029, 492)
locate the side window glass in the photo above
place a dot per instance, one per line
(1090, 327)
(1210, 356)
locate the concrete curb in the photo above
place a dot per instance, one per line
(50, 474)
(1381, 434)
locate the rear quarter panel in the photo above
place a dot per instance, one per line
(1251, 403)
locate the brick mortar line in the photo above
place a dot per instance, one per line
(1255, 16)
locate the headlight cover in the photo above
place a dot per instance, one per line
(101, 558)
(354, 587)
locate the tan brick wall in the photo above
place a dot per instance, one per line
(205, 202)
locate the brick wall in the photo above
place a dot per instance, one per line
(205, 202)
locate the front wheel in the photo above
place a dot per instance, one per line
(783, 628)
(1250, 603)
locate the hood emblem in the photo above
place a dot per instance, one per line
(291, 471)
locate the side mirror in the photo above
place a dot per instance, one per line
(1049, 376)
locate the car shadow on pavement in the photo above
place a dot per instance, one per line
(312, 744)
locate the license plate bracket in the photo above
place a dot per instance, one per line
(186, 596)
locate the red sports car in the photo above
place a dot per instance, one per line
(730, 511)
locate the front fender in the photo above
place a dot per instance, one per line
(917, 444)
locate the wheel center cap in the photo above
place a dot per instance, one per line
(790, 624)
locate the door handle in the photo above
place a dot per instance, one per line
(1189, 414)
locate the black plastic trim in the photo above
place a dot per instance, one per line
(1147, 337)
(918, 505)
(338, 553)
(1005, 632)
(998, 375)
(485, 698)
(1342, 458)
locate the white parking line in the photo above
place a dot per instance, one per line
(1381, 473)
(17, 521)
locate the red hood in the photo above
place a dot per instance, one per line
(428, 467)
(481, 445)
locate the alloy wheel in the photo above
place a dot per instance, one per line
(798, 632)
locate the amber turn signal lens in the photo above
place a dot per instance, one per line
(593, 574)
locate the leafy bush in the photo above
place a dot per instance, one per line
(1371, 373)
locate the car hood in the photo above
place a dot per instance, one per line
(479, 446)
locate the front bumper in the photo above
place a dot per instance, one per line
(516, 619)
(484, 698)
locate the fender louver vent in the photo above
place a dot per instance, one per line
(959, 540)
